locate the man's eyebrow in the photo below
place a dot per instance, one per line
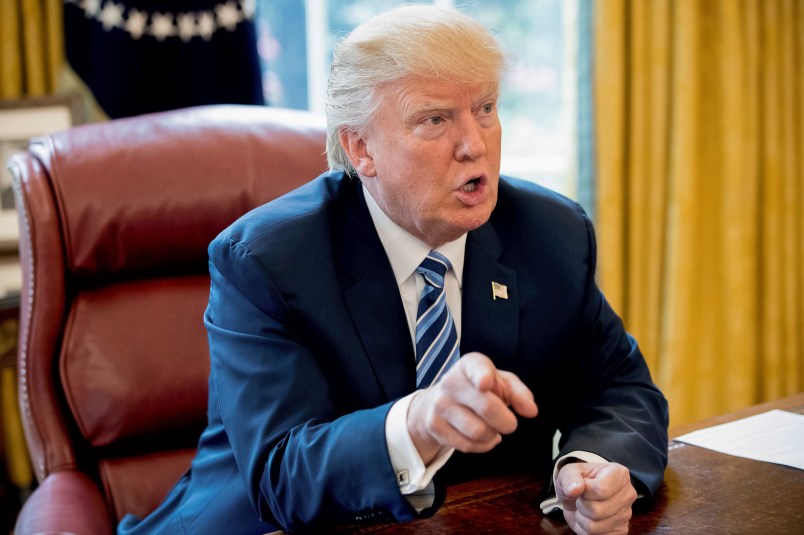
(488, 92)
(434, 106)
(429, 107)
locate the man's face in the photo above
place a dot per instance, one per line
(431, 157)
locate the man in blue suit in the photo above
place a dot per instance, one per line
(323, 405)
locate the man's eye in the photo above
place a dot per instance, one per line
(436, 119)
(488, 108)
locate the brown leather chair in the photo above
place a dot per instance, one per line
(115, 219)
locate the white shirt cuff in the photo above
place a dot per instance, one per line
(411, 473)
(552, 504)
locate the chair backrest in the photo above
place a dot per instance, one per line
(115, 220)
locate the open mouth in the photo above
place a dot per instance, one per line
(471, 185)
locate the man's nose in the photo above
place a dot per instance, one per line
(471, 144)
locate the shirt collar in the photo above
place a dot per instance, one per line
(405, 252)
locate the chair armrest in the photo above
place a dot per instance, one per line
(65, 502)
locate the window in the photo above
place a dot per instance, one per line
(537, 105)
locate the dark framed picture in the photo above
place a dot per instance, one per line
(20, 120)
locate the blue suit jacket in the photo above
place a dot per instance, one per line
(310, 347)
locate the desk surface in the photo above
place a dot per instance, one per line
(703, 492)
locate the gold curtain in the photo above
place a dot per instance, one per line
(31, 47)
(700, 169)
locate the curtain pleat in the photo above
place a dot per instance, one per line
(10, 56)
(34, 47)
(798, 117)
(54, 30)
(649, 57)
(610, 95)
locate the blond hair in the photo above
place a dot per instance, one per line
(418, 40)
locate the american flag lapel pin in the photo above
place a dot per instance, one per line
(499, 290)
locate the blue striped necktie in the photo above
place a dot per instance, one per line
(436, 337)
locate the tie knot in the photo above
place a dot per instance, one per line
(433, 268)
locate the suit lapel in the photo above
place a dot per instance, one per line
(489, 325)
(372, 297)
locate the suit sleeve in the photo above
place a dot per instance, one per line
(305, 467)
(620, 414)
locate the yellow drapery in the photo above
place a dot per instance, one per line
(31, 47)
(700, 169)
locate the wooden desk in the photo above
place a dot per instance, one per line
(703, 492)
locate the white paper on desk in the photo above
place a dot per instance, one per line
(774, 436)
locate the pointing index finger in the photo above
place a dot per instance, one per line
(516, 394)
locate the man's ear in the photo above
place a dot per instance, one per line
(356, 149)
